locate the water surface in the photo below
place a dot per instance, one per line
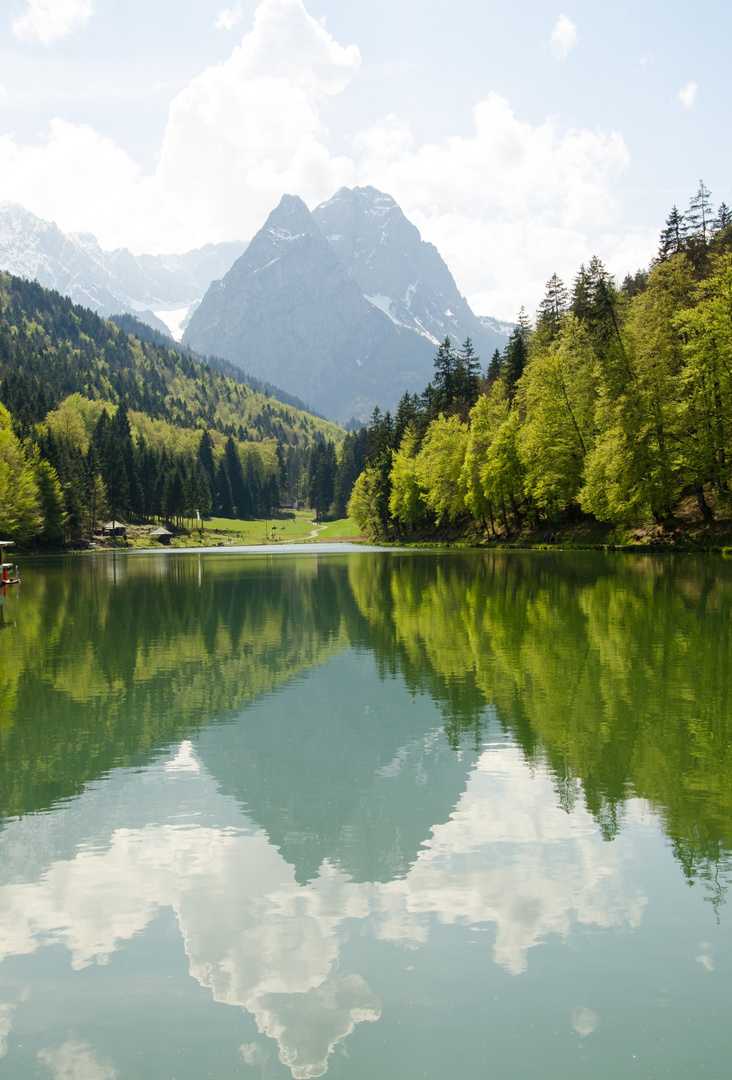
(398, 814)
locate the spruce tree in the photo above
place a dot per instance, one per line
(235, 472)
(514, 359)
(673, 235)
(553, 308)
(443, 381)
(206, 458)
(467, 370)
(494, 368)
(700, 215)
(223, 502)
(723, 219)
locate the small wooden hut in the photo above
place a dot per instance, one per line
(162, 535)
(115, 528)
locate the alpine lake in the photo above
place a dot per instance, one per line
(454, 815)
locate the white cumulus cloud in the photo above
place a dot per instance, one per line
(564, 36)
(238, 136)
(687, 94)
(507, 205)
(48, 20)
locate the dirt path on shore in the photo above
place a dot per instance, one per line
(301, 539)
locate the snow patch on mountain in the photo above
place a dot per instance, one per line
(176, 319)
(497, 326)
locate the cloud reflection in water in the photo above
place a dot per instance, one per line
(261, 941)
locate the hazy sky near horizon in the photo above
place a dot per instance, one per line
(520, 138)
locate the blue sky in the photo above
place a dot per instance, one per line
(520, 138)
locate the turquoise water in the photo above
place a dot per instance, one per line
(408, 815)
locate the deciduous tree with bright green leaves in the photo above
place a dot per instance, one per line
(557, 397)
(21, 515)
(439, 467)
(406, 501)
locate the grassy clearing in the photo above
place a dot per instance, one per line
(280, 530)
(343, 529)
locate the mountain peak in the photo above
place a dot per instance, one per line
(289, 221)
(343, 306)
(369, 198)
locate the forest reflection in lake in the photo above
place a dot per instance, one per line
(414, 813)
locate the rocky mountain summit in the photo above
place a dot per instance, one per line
(397, 271)
(343, 306)
(288, 311)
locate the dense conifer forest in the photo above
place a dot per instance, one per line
(96, 423)
(614, 404)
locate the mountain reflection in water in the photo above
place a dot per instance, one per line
(294, 755)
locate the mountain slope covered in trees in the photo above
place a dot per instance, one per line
(616, 404)
(95, 422)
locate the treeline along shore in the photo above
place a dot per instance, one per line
(611, 411)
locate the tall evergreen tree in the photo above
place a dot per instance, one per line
(723, 219)
(206, 458)
(700, 215)
(673, 235)
(495, 368)
(467, 374)
(239, 493)
(516, 353)
(253, 485)
(552, 308)
(443, 381)
(223, 501)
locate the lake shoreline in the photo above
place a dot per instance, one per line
(679, 537)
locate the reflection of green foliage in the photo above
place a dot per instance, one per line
(615, 672)
(106, 660)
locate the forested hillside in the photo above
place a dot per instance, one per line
(615, 403)
(96, 423)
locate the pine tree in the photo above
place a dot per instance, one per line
(467, 374)
(239, 493)
(409, 411)
(516, 352)
(444, 379)
(206, 458)
(253, 486)
(723, 219)
(700, 215)
(223, 502)
(494, 368)
(553, 308)
(673, 235)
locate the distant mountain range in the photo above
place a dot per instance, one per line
(343, 307)
(109, 282)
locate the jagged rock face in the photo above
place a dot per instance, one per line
(397, 271)
(288, 311)
(343, 307)
(106, 281)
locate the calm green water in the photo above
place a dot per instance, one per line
(377, 815)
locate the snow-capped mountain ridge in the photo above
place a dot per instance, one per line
(109, 282)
